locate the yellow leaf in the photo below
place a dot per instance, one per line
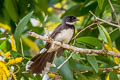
(51, 25)
(0, 76)
(58, 5)
(80, 19)
(31, 44)
(14, 76)
(107, 78)
(38, 23)
(107, 47)
(1, 53)
(4, 76)
(64, 1)
(7, 54)
(13, 43)
(51, 74)
(4, 68)
(118, 71)
(115, 50)
(18, 59)
(14, 61)
(116, 58)
(5, 26)
(50, 9)
(11, 61)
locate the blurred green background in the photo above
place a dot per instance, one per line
(18, 17)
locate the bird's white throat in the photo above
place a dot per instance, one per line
(70, 23)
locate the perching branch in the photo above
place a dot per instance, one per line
(75, 49)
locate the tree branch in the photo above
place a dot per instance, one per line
(85, 29)
(73, 48)
(114, 12)
(65, 61)
(103, 69)
(98, 19)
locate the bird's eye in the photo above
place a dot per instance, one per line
(73, 17)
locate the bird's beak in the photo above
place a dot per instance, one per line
(76, 19)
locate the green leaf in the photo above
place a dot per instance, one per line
(106, 60)
(37, 30)
(99, 12)
(81, 10)
(104, 35)
(39, 15)
(114, 34)
(65, 70)
(5, 45)
(20, 28)
(43, 5)
(100, 3)
(90, 40)
(80, 1)
(113, 76)
(53, 2)
(25, 6)
(11, 9)
(78, 66)
(93, 62)
(81, 76)
(76, 56)
(38, 77)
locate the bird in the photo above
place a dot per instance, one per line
(63, 33)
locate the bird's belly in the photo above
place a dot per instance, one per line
(64, 36)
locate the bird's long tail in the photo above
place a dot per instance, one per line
(40, 63)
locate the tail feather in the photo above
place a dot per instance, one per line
(44, 50)
(39, 63)
(36, 67)
(42, 64)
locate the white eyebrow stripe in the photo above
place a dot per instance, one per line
(70, 23)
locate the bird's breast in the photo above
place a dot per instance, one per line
(65, 35)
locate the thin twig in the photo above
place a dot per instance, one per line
(73, 48)
(57, 8)
(103, 69)
(85, 29)
(65, 61)
(47, 33)
(21, 47)
(111, 6)
(114, 12)
(98, 19)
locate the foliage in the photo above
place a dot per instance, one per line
(17, 17)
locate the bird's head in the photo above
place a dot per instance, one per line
(69, 20)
